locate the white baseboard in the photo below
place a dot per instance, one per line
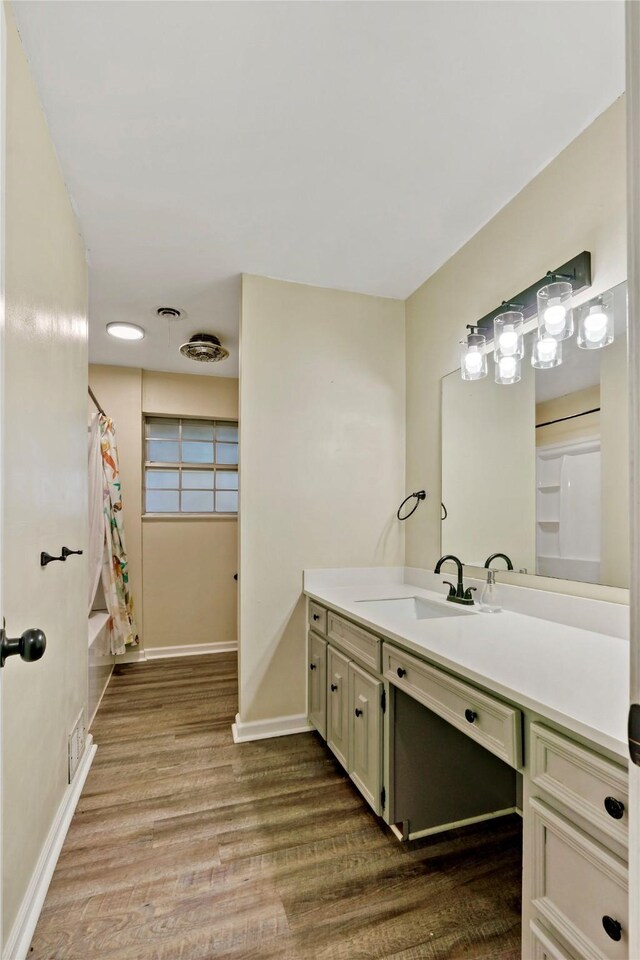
(196, 649)
(19, 940)
(264, 729)
(131, 655)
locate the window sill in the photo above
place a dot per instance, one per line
(153, 517)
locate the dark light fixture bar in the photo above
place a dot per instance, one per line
(577, 271)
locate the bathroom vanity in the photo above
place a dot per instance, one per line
(444, 716)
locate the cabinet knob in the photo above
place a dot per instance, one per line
(470, 715)
(358, 712)
(312, 666)
(334, 687)
(615, 808)
(612, 928)
(401, 672)
(316, 616)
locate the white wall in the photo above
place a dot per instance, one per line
(321, 465)
(578, 202)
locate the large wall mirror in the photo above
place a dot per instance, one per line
(538, 470)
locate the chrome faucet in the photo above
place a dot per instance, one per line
(457, 594)
(502, 556)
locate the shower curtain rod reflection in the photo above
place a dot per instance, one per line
(95, 400)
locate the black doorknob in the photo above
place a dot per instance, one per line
(316, 616)
(612, 928)
(30, 646)
(312, 666)
(334, 687)
(470, 715)
(401, 672)
(615, 808)
(358, 712)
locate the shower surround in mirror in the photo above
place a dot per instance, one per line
(539, 469)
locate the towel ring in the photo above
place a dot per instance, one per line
(419, 495)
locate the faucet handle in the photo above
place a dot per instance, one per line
(467, 593)
(452, 589)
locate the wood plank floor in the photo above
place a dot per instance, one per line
(186, 846)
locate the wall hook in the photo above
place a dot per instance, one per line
(46, 558)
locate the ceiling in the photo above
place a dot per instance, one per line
(349, 145)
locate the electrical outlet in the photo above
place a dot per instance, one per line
(76, 745)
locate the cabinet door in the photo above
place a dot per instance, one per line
(338, 705)
(317, 683)
(365, 741)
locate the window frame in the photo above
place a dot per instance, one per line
(181, 466)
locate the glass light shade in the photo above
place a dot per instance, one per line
(596, 322)
(508, 335)
(125, 331)
(555, 313)
(546, 353)
(508, 369)
(473, 357)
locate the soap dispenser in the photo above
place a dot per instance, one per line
(490, 598)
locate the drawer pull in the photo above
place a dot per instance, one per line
(401, 672)
(312, 666)
(334, 687)
(470, 715)
(612, 928)
(615, 808)
(316, 616)
(358, 712)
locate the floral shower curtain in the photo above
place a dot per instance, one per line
(115, 568)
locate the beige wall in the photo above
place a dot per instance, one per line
(576, 203)
(181, 569)
(321, 465)
(569, 431)
(45, 481)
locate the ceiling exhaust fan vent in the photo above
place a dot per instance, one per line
(205, 348)
(172, 313)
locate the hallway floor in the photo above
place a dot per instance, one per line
(186, 846)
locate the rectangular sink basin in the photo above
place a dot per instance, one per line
(413, 608)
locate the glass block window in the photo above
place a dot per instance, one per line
(191, 466)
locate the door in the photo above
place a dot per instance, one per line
(633, 259)
(338, 705)
(365, 742)
(317, 680)
(44, 416)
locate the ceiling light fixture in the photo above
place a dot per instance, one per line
(547, 353)
(125, 331)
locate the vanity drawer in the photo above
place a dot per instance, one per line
(493, 724)
(317, 617)
(585, 782)
(363, 646)
(579, 887)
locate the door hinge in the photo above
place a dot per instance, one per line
(383, 797)
(634, 733)
(383, 700)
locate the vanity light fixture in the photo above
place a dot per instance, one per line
(555, 312)
(125, 331)
(508, 335)
(595, 323)
(546, 353)
(473, 355)
(508, 370)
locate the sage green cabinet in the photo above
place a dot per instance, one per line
(317, 683)
(338, 712)
(365, 741)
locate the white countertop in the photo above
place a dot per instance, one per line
(567, 674)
